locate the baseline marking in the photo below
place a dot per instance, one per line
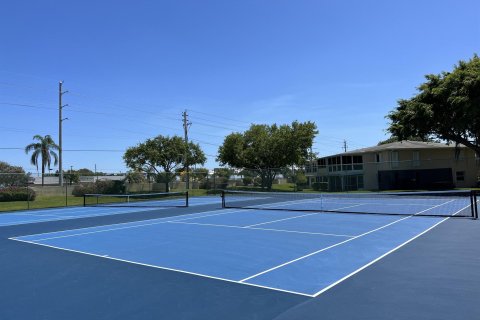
(165, 268)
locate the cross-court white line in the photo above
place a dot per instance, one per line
(335, 245)
(384, 255)
(163, 268)
(321, 250)
(296, 217)
(265, 229)
(127, 225)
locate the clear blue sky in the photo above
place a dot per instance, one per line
(132, 67)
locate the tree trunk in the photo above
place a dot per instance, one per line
(43, 172)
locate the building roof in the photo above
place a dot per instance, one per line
(406, 144)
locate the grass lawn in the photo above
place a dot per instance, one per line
(41, 202)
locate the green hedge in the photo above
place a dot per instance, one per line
(17, 194)
(103, 187)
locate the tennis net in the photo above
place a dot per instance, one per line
(160, 199)
(432, 203)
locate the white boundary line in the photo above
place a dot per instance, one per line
(335, 245)
(132, 223)
(295, 217)
(165, 268)
(377, 259)
(243, 280)
(265, 229)
(99, 211)
(321, 250)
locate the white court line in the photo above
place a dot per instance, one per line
(99, 211)
(157, 221)
(301, 216)
(378, 203)
(321, 250)
(337, 244)
(265, 229)
(58, 217)
(375, 260)
(228, 280)
(384, 255)
(164, 268)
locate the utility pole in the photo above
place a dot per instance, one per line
(344, 145)
(60, 120)
(186, 124)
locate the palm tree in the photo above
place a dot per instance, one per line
(43, 148)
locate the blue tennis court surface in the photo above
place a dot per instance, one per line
(296, 252)
(65, 213)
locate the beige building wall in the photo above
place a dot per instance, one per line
(464, 165)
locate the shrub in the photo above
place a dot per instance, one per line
(17, 194)
(247, 181)
(316, 186)
(206, 184)
(103, 187)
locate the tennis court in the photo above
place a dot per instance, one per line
(108, 205)
(298, 252)
(282, 258)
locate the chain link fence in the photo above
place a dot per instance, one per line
(26, 191)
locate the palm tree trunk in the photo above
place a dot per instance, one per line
(43, 171)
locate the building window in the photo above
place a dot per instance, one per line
(394, 159)
(322, 163)
(346, 163)
(416, 158)
(354, 182)
(378, 157)
(357, 163)
(460, 175)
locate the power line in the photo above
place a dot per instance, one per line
(242, 127)
(222, 117)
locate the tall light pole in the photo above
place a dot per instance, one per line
(60, 120)
(186, 125)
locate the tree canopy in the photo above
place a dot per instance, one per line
(268, 148)
(163, 155)
(447, 107)
(43, 148)
(12, 175)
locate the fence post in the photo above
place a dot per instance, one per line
(214, 179)
(28, 197)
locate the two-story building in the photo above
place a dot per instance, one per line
(405, 165)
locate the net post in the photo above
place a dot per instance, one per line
(66, 194)
(84, 203)
(223, 199)
(186, 198)
(475, 205)
(472, 208)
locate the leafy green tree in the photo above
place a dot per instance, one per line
(71, 177)
(268, 148)
(163, 155)
(44, 149)
(135, 177)
(85, 172)
(447, 107)
(199, 174)
(248, 177)
(12, 175)
(222, 175)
